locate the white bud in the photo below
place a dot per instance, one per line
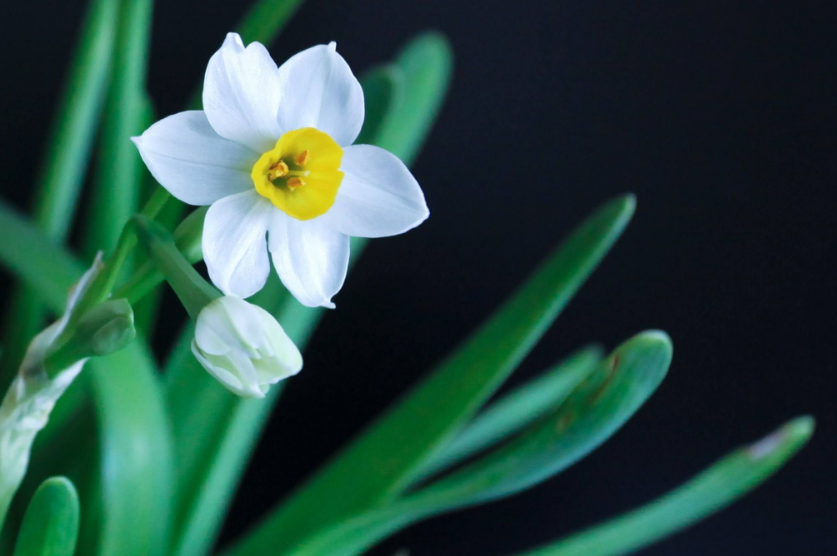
(243, 346)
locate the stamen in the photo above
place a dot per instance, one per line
(295, 182)
(277, 170)
(302, 157)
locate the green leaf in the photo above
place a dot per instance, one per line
(266, 19)
(63, 163)
(516, 409)
(136, 451)
(368, 471)
(383, 88)
(40, 264)
(592, 413)
(117, 186)
(718, 486)
(427, 64)
(50, 526)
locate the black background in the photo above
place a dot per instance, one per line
(719, 115)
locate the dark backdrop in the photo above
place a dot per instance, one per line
(719, 115)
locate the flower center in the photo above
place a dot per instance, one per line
(301, 174)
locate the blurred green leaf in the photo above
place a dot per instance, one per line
(136, 457)
(383, 89)
(718, 486)
(116, 190)
(40, 264)
(515, 410)
(63, 163)
(266, 19)
(368, 471)
(427, 65)
(50, 526)
(591, 414)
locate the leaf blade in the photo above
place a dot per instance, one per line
(591, 414)
(427, 66)
(716, 487)
(50, 525)
(418, 424)
(517, 409)
(136, 453)
(42, 265)
(116, 189)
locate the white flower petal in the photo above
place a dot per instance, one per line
(240, 377)
(241, 94)
(234, 245)
(378, 196)
(194, 163)
(311, 258)
(319, 90)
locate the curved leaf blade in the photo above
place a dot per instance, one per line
(418, 424)
(50, 526)
(515, 410)
(383, 88)
(427, 66)
(715, 488)
(42, 265)
(136, 457)
(590, 415)
(116, 192)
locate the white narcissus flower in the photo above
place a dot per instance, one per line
(243, 346)
(272, 154)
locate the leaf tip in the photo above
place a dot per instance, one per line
(785, 441)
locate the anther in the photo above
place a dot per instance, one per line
(277, 170)
(302, 157)
(295, 182)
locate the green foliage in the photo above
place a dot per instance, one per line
(136, 457)
(418, 424)
(63, 164)
(116, 191)
(172, 447)
(515, 410)
(50, 527)
(718, 486)
(591, 413)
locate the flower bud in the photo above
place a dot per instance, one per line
(243, 346)
(108, 327)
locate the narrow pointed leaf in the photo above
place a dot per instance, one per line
(266, 19)
(62, 168)
(117, 186)
(136, 457)
(383, 88)
(427, 65)
(50, 526)
(40, 264)
(368, 471)
(593, 412)
(515, 410)
(715, 488)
